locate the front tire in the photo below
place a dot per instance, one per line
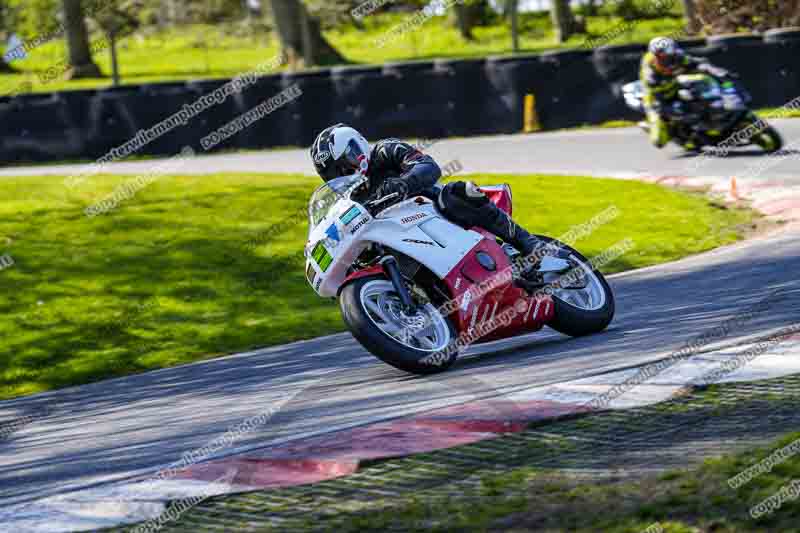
(585, 314)
(769, 139)
(422, 344)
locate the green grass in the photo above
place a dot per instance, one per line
(167, 277)
(777, 112)
(682, 501)
(199, 52)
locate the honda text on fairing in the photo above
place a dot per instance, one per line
(415, 289)
(709, 112)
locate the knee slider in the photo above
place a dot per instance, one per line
(470, 193)
(454, 204)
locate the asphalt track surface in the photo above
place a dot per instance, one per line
(121, 429)
(606, 152)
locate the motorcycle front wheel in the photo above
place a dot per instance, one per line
(421, 343)
(769, 139)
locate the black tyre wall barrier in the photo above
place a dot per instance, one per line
(782, 35)
(42, 126)
(272, 130)
(734, 39)
(314, 110)
(414, 101)
(751, 61)
(616, 66)
(554, 79)
(466, 92)
(354, 107)
(422, 99)
(783, 74)
(784, 69)
(205, 122)
(396, 97)
(691, 44)
(568, 97)
(508, 81)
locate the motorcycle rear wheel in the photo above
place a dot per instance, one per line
(587, 314)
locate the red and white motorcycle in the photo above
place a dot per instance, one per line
(415, 289)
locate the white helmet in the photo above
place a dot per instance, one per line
(667, 53)
(340, 151)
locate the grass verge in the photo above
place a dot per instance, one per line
(191, 267)
(678, 501)
(778, 112)
(223, 51)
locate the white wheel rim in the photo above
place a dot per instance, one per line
(426, 331)
(589, 298)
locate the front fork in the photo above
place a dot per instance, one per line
(392, 271)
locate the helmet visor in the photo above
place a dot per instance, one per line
(351, 159)
(667, 61)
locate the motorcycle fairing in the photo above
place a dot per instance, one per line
(499, 195)
(416, 230)
(450, 252)
(375, 270)
(421, 233)
(476, 306)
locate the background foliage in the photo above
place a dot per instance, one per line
(728, 16)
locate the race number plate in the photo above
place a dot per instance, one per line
(322, 256)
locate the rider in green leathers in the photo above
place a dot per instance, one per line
(661, 65)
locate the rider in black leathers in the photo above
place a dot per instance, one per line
(395, 166)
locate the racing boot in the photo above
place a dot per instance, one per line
(465, 204)
(529, 249)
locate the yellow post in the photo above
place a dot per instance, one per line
(531, 121)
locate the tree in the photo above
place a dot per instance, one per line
(512, 11)
(724, 16)
(117, 20)
(301, 36)
(693, 24)
(563, 20)
(468, 14)
(80, 56)
(4, 35)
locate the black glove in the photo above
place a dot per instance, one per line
(393, 185)
(672, 111)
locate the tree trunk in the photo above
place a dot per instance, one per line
(301, 35)
(164, 14)
(466, 15)
(307, 40)
(463, 21)
(692, 20)
(563, 20)
(114, 65)
(512, 10)
(80, 58)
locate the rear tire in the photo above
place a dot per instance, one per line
(575, 321)
(385, 347)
